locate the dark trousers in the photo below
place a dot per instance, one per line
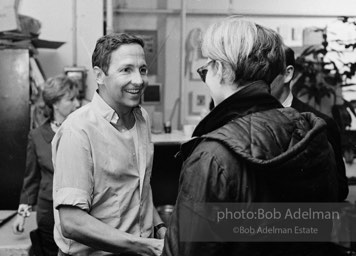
(45, 223)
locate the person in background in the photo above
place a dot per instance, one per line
(349, 153)
(281, 90)
(248, 149)
(102, 157)
(60, 96)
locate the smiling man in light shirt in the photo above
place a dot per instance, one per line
(102, 157)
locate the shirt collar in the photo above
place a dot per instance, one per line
(106, 111)
(288, 101)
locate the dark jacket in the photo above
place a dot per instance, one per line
(334, 138)
(250, 149)
(39, 168)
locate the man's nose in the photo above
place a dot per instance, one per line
(137, 78)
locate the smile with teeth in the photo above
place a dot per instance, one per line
(133, 91)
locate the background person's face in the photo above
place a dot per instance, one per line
(127, 77)
(67, 104)
(277, 86)
(280, 86)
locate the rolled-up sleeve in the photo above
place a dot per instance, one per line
(73, 169)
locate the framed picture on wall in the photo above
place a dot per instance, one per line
(151, 45)
(152, 94)
(198, 102)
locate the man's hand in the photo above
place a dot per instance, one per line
(161, 233)
(18, 225)
(160, 230)
(153, 247)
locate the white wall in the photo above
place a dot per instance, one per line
(56, 17)
(284, 15)
(285, 7)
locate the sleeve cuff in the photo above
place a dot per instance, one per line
(73, 197)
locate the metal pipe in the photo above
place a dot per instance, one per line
(74, 35)
(182, 104)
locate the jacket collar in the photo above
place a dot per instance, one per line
(290, 137)
(253, 98)
(47, 132)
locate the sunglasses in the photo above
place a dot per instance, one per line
(203, 70)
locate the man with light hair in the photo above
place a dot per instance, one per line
(248, 149)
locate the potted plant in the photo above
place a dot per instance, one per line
(324, 69)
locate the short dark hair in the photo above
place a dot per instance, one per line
(290, 59)
(105, 45)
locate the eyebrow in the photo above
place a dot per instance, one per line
(131, 65)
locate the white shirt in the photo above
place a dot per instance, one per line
(288, 101)
(134, 135)
(96, 170)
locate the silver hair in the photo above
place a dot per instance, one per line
(247, 51)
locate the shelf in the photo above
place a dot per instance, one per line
(146, 11)
(202, 12)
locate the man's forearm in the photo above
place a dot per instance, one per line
(78, 225)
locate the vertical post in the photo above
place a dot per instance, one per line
(161, 58)
(182, 63)
(74, 35)
(109, 17)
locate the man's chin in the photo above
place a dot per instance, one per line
(135, 104)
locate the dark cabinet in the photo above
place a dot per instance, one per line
(14, 123)
(165, 174)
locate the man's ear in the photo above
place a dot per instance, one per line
(55, 105)
(288, 75)
(218, 69)
(99, 75)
